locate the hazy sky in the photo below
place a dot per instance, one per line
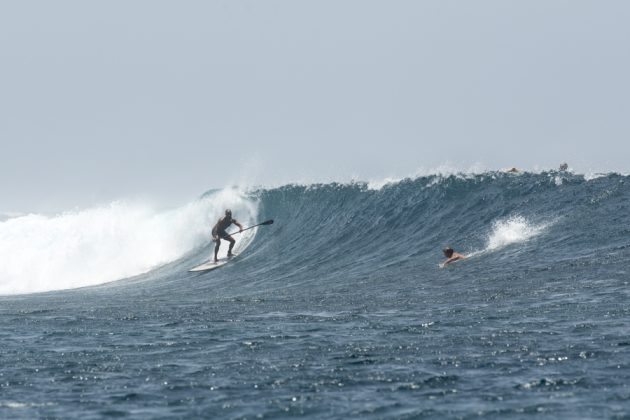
(112, 99)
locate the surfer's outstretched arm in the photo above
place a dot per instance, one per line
(453, 259)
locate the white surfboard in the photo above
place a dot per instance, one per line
(211, 265)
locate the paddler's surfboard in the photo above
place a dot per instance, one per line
(211, 265)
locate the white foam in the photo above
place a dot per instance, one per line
(378, 185)
(19, 405)
(589, 176)
(440, 172)
(512, 230)
(98, 245)
(515, 229)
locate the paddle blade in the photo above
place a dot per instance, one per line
(268, 222)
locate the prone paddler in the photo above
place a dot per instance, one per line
(451, 256)
(219, 232)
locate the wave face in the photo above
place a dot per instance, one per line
(335, 231)
(337, 310)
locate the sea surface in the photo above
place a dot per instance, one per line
(339, 309)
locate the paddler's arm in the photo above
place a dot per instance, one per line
(238, 224)
(453, 259)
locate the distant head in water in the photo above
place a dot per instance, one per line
(448, 252)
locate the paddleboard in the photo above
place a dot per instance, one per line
(211, 265)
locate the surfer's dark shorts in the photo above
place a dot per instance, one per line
(222, 235)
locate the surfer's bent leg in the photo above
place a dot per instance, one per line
(232, 242)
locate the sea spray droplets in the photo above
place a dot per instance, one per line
(513, 230)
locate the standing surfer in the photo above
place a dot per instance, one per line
(218, 233)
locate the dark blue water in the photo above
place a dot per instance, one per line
(339, 309)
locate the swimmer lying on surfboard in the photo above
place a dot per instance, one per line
(451, 255)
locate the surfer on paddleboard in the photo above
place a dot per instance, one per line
(218, 233)
(451, 255)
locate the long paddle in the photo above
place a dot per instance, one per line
(266, 222)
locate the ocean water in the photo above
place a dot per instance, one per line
(337, 310)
